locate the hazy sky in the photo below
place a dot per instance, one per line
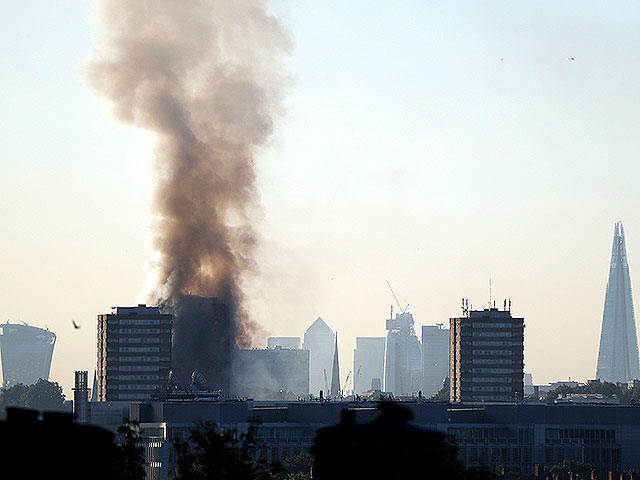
(428, 144)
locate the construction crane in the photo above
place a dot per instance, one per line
(326, 383)
(355, 379)
(402, 310)
(344, 390)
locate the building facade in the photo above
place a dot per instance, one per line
(435, 358)
(486, 357)
(403, 357)
(368, 363)
(515, 437)
(292, 343)
(319, 340)
(618, 353)
(26, 353)
(134, 353)
(270, 372)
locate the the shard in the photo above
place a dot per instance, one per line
(618, 354)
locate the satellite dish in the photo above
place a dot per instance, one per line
(199, 380)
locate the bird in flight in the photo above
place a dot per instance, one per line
(572, 58)
(75, 325)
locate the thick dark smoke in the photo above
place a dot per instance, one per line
(205, 77)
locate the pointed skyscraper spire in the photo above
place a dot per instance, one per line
(335, 375)
(618, 354)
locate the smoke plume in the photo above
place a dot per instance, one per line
(205, 77)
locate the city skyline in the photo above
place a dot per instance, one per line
(406, 150)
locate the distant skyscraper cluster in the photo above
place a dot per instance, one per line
(482, 352)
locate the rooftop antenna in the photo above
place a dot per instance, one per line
(489, 292)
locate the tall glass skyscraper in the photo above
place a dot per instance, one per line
(618, 354)
(26, 353)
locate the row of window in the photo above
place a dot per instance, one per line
(136, 322)
(492, 388)
(492, 370)
(139, 349)
(138, 340)
(491, 380)
(145, 359)
(507, 353)
(495, 334)
(496, 343)
(139, 368)
(492, 325)
(138, 377)
(139, 330)
(492, 361)
(135, 387)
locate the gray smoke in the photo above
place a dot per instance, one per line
(205, 77)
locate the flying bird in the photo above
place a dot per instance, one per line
(572, 58)
(75, 325)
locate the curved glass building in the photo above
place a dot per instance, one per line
(26, 353)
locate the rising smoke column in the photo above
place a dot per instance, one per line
(205, 77)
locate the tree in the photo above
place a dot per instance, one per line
(455, 469)
(298, 466)
(211, 453)
(42, 395)
(581, 471)
(129, 461)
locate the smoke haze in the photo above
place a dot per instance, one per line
(205, 77)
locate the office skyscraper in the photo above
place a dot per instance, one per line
(435, 358)
(134, 353)
(618, 354)
(486, 356)
(368, 362)
(320, 340)
(26, 353)
(403, 356)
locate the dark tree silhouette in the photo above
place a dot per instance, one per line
(211, 453)
(298, 466)
(42, 395)
(563, 471)
(129, 461)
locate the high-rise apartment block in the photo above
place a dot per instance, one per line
(26, 353)
(368, 363)
(435, 358)
(486, 356)
(618, 353)
(134, 353)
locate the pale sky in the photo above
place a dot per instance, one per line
(430, 144)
